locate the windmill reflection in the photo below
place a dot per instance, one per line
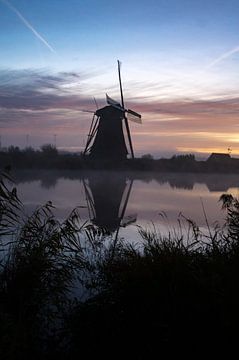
(107, 197)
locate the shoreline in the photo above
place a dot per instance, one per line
(178, 164)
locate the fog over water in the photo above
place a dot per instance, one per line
(121, 200)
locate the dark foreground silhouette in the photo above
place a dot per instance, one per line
(67, 290)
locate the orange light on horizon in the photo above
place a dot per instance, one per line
(209, 150)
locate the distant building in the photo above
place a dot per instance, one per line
(219, 157)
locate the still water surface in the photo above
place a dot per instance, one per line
(125, 200)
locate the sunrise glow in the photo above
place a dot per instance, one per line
(179, 70)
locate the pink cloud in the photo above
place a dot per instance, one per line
(39, 103)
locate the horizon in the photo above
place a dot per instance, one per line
(179, 70)
(78, 151)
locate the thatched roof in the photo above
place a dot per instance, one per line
(216, 157)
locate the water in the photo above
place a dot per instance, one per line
(122, 201)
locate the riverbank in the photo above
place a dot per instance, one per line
(49, 158)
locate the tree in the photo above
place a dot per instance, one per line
(13, 149)
(183, 158)
(49, 150)
(147, 156)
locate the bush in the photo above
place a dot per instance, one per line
(147, 157)
(49, 150)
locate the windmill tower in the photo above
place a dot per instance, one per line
(109, 135)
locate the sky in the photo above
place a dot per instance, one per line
(180, 71)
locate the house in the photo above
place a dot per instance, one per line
(219, 158)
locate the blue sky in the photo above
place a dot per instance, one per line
(179, 68)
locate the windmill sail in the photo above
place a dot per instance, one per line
(134, 116)
(129, 219)
(113, 102)
(131, 115)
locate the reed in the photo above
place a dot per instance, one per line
(140, 298)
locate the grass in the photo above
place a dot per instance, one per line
(176, 290)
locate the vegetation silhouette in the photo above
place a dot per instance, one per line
(141, 299)
(48, 157)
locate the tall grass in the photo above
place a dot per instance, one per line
(36, 271)
(180, 288)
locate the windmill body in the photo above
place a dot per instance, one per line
(109, 141)
(109, 135)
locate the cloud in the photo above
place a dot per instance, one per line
(50, 103)
(199, 125)
(40, 90)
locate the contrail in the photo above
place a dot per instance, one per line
(223, 56)
(28, 25)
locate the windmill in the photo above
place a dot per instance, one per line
(107, 197)
(106, 138)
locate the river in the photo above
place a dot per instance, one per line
(124, 201)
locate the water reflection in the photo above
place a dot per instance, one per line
(187, 181)
(112, 199)
(107, 198)
(214, 182)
